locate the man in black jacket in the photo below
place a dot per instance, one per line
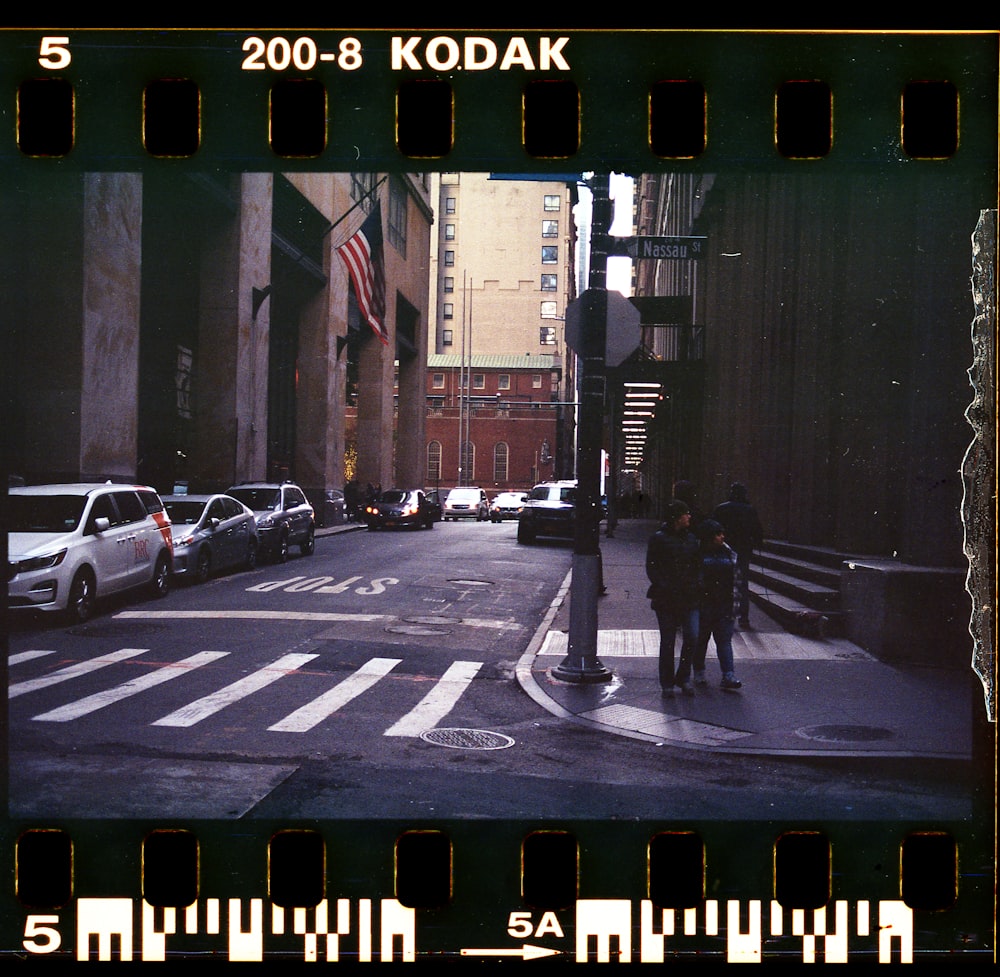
(672, 566)
(743, 534)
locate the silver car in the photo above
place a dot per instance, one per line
(211, 533)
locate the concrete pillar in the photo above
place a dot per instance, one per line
(109, 369)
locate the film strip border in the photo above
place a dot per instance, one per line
(339, 99)
(440, 891)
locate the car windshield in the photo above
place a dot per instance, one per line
(258, 499)
(45, 513)
(185, 513)
(393, 496)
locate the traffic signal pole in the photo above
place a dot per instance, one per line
(581, 663)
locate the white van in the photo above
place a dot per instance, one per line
(467, 503)
(68, 544)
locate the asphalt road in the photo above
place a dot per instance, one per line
(307, 690)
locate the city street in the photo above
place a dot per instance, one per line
(302, 690)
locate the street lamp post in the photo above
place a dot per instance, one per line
(581, 663)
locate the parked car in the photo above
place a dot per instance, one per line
(467, 503)
(284, 517)
(211, 533)
(549, 510)
(507, 505)
(69, 544)
(400, 507)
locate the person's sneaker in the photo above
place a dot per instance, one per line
(699, 678)
(687, 688)
(731, 683)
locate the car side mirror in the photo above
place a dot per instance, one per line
(102, 524)
(213, 523)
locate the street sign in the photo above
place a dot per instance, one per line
(664, 248)
(624, 331)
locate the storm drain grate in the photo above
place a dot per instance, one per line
(843, 733)
(467, 739)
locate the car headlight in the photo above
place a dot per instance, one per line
(266, 522)
(41, 562)
(184, 540)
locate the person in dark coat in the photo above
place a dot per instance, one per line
(715, 605)
(743, 534)
(686, 492)
(672, 566)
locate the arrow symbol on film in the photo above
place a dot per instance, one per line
(526, 952)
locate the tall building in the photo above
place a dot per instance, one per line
(503, 271)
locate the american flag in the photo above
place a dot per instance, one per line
(363, 256)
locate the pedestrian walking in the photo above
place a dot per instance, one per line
(672, 566)
(715, 604)
(687, 492)
(744, 534)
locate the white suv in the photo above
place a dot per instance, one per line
(69, 544)
(467, 503)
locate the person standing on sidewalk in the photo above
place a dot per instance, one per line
(672, 566)
(744, 534)
(715, 606)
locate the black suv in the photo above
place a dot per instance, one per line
(284, 517)
(549, 510)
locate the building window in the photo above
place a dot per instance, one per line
(550, 283)
(434, 462)
(536, 381)
(549, 310)
(449, 284)
(503, 381)
(449, 310)
(547, 336)
(467, 464)
(397, 216)
(550, 254)
(551, 201)
(450, 204)
(550, 228)
(449, 258)
(479, 381)
(362, 185)
(446, 337)
(449, 232)
(438, 381)
(501, 452)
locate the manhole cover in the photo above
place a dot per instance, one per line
(845, 734)
(473, 583)
(467, 739)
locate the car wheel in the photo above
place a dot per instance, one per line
(82, 595)
(308, 546)
(203, 568)
(250, 563)
(281, 553)
(160, 584)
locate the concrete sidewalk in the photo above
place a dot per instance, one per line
(800, 696)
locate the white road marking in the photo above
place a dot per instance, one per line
(202, 708)
(27, 656)
(163, 673)
(74, 671)
(319, 616)
(438, 702)
(325, 705)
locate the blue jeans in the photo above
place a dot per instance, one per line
(670, 621)
(719, 627)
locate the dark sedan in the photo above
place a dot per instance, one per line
(401, 507)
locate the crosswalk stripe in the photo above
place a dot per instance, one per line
(74, 671)
(438, 702)
(200, 709)
(27, 656)
(315, 712)
(99, 700)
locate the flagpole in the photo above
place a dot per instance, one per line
(355, 205)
